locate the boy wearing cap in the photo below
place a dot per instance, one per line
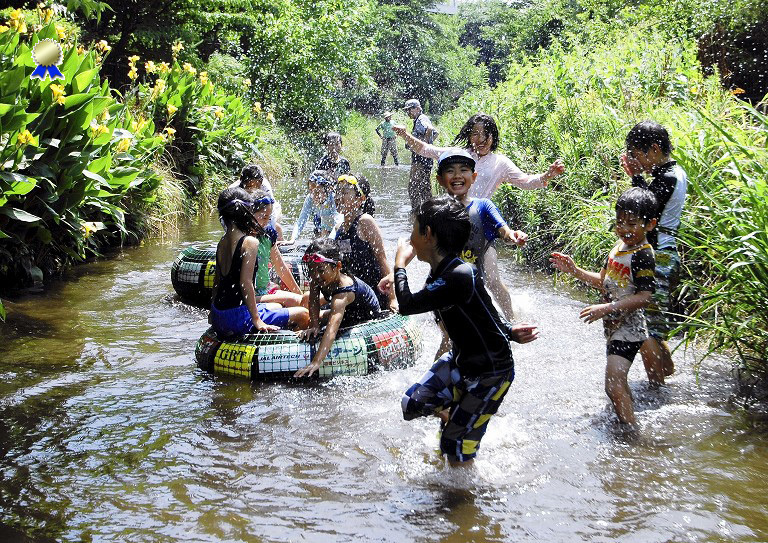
(420, 184)
(388, 139)
(466, 386)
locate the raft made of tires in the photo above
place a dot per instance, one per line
(193, 271)
(390, 342)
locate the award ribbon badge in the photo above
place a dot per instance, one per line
(47, 55)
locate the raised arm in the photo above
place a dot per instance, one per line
(565, 264)
(303, 216)
(283, 271)
(419, 147)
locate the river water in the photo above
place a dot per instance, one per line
(109, 432)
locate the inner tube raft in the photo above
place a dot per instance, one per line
(194, 268)
(393, 341)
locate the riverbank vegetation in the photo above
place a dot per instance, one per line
(572, 80)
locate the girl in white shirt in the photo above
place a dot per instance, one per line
(480, 136)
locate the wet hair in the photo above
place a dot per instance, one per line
(644, 134)
(489, 127)
(237, 206)
(332, 136)
(449, 221)
(639, 202)
(251, 171)
(369, 206)
(328, 248)
(325, 175)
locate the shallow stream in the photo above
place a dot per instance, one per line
(109, 432)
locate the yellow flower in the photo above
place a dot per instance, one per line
(189, 69)
(219, 113)
(257, 107)
(170, 131)
(738, 90)
(138, 126)
(247, 82)
(150, 67)
(80, 49)
(22, 28)
(88, 228)
(178, 46)
(133, 58)
(61, 31)
(133, 74)
(172, 109)
(16, 17)
(47, 15)
(25, 138)
(158, 88)
(104, 115)
(270, 117)
(164, 68)
(204, 78)
(123, 145)
(58, 93)
(97, 129)
(103, 46)
(3, 29)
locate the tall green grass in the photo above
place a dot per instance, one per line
(578, 104)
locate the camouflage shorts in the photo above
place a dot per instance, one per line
(660, 322)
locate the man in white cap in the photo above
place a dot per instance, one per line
(388, 139)
(420, 184)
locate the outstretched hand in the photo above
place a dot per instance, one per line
(593, 313)
(308, 370)
(564, 263)
(516, 237)
(385, 285)
(555, 169)
(400, 130)
(523, 333)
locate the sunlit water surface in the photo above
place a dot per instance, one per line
(109, 432)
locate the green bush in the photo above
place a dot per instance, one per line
(71, 160)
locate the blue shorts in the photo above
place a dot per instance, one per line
(237, 321)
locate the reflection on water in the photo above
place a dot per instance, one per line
(109, 432)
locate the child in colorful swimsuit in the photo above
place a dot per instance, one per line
(241, 255)
(319, 204)
(648, 151)
(359, 237)
(627, 281)
(466, 386)
(351, 300)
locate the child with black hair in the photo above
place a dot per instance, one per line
(239, 303)
(466, 386)
(627, 281)
(332, 161)
(648, 151)
(351, 300)
(319, 204)
(252, 178)
(359, 237)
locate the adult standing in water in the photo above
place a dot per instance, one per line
(480, 136)
(388, 139)
(420, 183)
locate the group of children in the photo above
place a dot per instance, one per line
(350, 279)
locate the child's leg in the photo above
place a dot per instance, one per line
(298, 318)
(657, 358)
(282, 297)
(479, 399)
(493, 281)
(433, 392)
(617, 388)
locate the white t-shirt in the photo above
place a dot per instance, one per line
(492, 170)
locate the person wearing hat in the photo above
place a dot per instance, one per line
(388, 139)
(420, 184)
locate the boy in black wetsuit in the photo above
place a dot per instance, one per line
(466, 385)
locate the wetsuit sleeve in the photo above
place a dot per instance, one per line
(644, 271)
(445, 291)
(491, 218)
(306, 209)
